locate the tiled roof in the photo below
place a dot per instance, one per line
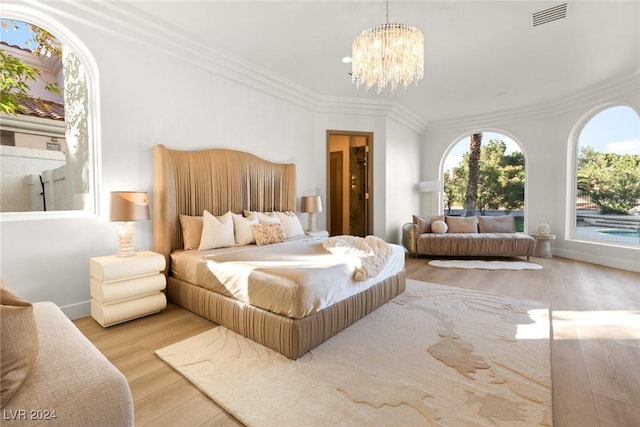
(41, 108)
(38, 107)
(15, 46)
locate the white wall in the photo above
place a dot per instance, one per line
(544, 136)
(402, 176)
(150, 95)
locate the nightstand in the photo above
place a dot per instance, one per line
(125, 288)
(317, 233)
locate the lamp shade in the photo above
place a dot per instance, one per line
(429, 186)
(311, 204)
(129, 206)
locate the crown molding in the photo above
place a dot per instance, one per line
(126, 22)
(590, 96)
(403, 116)
(370, 107)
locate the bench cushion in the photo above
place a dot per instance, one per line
(475, 244)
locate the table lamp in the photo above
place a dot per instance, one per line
(126, 207)
(311, 205)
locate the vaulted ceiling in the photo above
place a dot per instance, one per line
(481, 57)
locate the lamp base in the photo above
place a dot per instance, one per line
(125, 254)
(125, 238)
(311, 225)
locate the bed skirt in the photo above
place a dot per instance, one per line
(288, 336)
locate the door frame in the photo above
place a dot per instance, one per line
(369, 200)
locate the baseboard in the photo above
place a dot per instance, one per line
(599, 260)
(77, 311)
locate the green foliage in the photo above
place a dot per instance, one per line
(14, 82)
(611, 180)
(16, 76)
(500, 182)
(45, 42)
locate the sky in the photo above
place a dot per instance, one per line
(12, 37)
(616, 129)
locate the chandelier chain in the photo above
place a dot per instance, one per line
(387, 11)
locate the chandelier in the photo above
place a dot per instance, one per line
(388, 54)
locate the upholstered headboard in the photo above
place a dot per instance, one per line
(218, 180)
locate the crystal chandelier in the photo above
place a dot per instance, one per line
(388, 54)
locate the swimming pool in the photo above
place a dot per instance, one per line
(620, 235)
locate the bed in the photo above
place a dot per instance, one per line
(224, 181)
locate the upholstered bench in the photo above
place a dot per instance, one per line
(60, 379)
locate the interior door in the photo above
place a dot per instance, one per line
(335, 192)
(349, 182)
(358, 192)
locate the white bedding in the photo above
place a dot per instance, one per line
(294, 278)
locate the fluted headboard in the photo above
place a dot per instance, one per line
(218, 180)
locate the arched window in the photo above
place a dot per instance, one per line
(607, 178)
(501, 177)
(60, 172)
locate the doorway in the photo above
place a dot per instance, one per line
(350, 178)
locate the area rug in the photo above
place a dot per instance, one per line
(485, 265)
(434, 355)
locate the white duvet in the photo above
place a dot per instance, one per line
(295, 278)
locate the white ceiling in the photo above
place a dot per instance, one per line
(480, 57)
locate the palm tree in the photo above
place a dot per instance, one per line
(474, 172)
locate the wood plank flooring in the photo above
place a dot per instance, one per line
(595, 351)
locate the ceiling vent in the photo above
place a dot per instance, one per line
(552, 14)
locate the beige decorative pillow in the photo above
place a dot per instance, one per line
(191, 231)
(20, 344)
(459, 224)
(424, 223)
(291, 224)
(267, 234)
(217, 231)
(496, 224)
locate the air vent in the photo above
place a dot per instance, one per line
(552, 14)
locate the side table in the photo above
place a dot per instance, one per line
(543, 245)
(125, 288)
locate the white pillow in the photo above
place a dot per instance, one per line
(268, 218)
(217, 232)
(263, 217)
(291, 224)
(242, 229)
(250, 214)
(439, 227)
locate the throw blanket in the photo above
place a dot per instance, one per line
(369, 254)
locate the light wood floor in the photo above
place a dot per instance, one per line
(595, 351)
